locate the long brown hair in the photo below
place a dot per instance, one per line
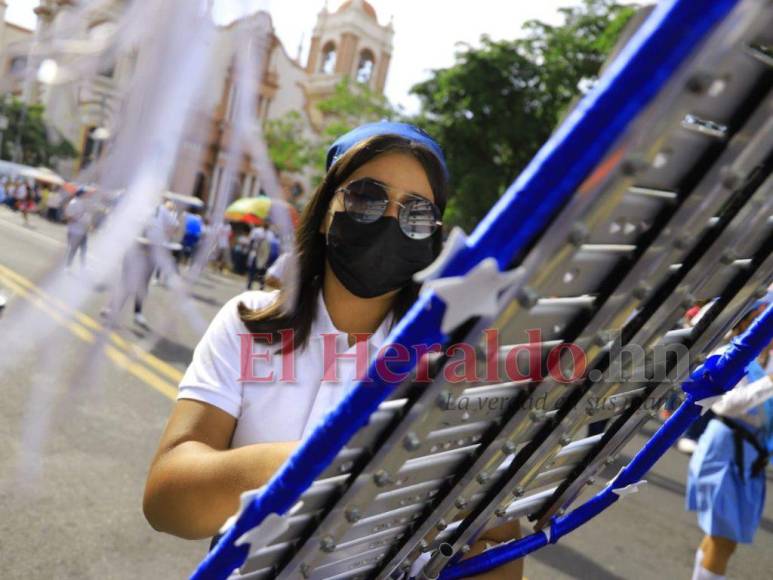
(311, 247)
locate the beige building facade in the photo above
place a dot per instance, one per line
(10, 62)
(349, 41)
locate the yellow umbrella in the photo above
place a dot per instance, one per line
(256, 210)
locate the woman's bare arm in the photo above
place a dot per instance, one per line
(195, 480)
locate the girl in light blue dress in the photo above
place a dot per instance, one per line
(726, 476)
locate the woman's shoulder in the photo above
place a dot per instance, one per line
(228, 323)
(256, 299)
(252, 299)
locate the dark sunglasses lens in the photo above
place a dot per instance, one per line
(365, 201)
(419, 218)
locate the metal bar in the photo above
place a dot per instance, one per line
(715, 197)
(720, 246)
(718, 375)
(618, 99)
(657, 323)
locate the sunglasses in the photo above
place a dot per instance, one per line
(367, 200)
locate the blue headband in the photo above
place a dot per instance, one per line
(350, 139)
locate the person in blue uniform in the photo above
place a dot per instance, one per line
(726, 474)
(194, 227)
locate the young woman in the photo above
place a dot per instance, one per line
(726, 476)
(373, 222)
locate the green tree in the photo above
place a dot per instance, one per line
(28, 135)
(350, 105)
(287, 147)
(494, 108)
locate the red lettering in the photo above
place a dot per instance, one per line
(578, 362)
(400, 354)
(467, 364)
(422, 357)
(331, 356)
(492, 354)
(287, 338)
(534, 349)
(247, 356)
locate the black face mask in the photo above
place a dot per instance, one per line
(373, 259)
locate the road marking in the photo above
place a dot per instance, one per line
(71, 325)
(120, 358)
(159, 365)
(149, 378)
(33, 233)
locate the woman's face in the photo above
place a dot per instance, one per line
(402, 174)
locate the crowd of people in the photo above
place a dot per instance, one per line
(173, 239)
(179, 238)
(28, 196)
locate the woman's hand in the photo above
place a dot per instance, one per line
(195, 480)
(500, 534)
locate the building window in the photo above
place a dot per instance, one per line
(365, 66)
(199, 185)
(108, 71)
(18, 65)
(328, 64)
(92, 148)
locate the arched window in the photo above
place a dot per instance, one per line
(199, 185)
(101, 34)
(328, 63)
(365, 66)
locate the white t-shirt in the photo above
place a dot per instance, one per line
(55, 199)
(260, 247)
(288, 407)
(279, 268)
(257, 234)
(224, 236)
(77, 215)
(167, 223)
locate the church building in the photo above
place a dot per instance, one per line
(349, 41)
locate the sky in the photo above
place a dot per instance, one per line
(426, 31)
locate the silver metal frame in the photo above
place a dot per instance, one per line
(427, 473)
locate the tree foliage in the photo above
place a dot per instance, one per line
(27, 135)
(350, 105)
(494, 108)
(288, 149)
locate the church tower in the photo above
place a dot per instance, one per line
(348, 42)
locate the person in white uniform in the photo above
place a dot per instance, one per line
(223, 233)
(78, 219)
(258, 255)
(246, 401)
(277, 274)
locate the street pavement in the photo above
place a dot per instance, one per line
(82, 414)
